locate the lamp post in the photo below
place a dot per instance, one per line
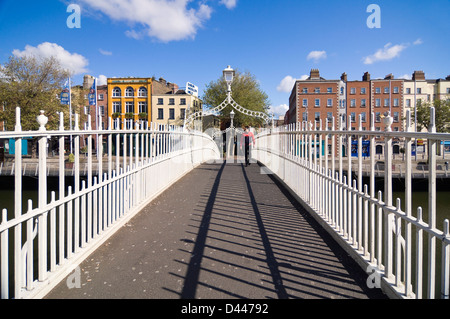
(232, 118)
(228, 75)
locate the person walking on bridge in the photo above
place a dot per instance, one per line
(245, 139)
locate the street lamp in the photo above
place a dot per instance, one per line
(228, 75)
(232, 117)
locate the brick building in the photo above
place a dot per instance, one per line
(316, 99)
(387, 97)
(358, 102)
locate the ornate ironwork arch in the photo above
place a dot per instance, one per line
(216, 111)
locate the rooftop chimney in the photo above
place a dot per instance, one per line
(390, 76)
(314, 74)
(418, 76)
(366, 76)
(344, 77)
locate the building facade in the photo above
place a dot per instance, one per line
(316, 99)
(172, 108)
(129, 100)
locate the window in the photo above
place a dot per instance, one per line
(378, 117)
(86, 110)
(352, 103)
(143, 107)
(329, 102)
(419, 90)
(305, 90)
(363, 117)
(352, 90)
(317, 90)
(396, 117)
(117, 107)
(171, 101)
(329, 90)
(353, 117)
(448, 90)
(342, 90)
(129, 92)
(363, 90)
(363, 102)
(102, 110)
(408, 90)
(377, 102)
(305, 102)
(377, 90)
(182, 114)
(317, 116)
(330, 117)
(395, 89)
(317, 102)
(129, 107)
(142, 92)
(305, 116)
(160, 114)
(182, 101)
(171, 114)
(386, 90)
(386, 102)
(408, 102)
(100, 97)
(117, 92)
(160, 101)
(396, 102)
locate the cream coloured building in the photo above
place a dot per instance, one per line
(173, 108)
(419, 89)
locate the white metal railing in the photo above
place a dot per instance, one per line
(41, 245)
(409, 255)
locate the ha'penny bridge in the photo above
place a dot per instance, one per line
(173, 217)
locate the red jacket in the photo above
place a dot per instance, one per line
(250, 135)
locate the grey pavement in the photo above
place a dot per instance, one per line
(224, 231)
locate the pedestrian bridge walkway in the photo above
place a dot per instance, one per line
(222, 231)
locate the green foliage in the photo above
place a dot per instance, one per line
(245, 91)
(442, 115)
(32, 84)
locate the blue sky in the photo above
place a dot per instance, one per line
(194, 40)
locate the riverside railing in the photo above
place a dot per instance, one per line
(41, 244)
(405, 255)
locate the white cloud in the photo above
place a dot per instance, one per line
(101, 79)
(279, 110)
(104, 52)
(73, 62)
(418, 41)
(388, 52)
(230, 4)
(316, 55)
(405, 77)
(165, 20)
(288, 82)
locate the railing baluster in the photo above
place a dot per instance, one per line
(445, 268)
(4, 250)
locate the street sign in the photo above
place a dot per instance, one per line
(191, 89)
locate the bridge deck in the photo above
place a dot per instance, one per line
(222, 231)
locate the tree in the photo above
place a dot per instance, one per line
(33, 84)
(442, 115)
(246, 92)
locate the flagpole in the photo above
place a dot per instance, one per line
(70, 114)
(96, 117)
